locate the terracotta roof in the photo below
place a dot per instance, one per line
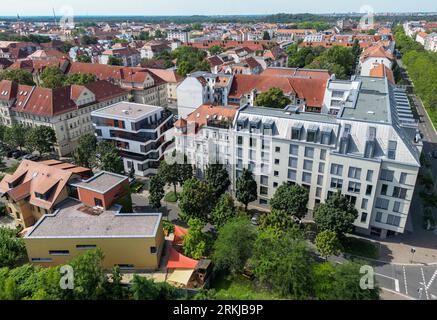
(376, 51)
(170, 76)
(215, 61)
(8, 90)
(207, 112)
(49, 54)
(38, 65)
(252, 45)
(297, 72)
(381, 71)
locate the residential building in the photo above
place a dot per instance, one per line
(172, 80)
(140, 132)
(369, 150)
(431, 42)
(153, 48)
(132, 241)
(66, 110)
(375, 55)
(130, 57)
(293, 34)
(181, 35)
(202, 88)
(36, 187)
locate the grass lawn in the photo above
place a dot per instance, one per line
(171, 197)
(360, 247)
(228, 288)
(136, 187)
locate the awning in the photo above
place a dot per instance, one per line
(181, 276)
(177, 260)
(179, 233)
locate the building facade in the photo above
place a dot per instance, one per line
(141, 132)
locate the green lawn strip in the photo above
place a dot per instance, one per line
(360, 247)
(171, 197)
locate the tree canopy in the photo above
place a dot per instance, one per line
(20, 76)
(85, 153)
(273, 98)
(223, 211)
(195, 200)
(41, 139)
(109, 158)
(218, 178)
(246, 188)
(12, 248)
(292, 199)
(196, 243)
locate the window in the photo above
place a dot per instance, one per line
(275, 184)
(336, 183)
(276, 173)
(400, 193)
(387, 175)
(252, 142)
(369, 189)
(306, 177)
(393, 220)
(292, 162)
(403, 178)
(321, 167)
(308, 165)
(378, 217)
(323, 154)
(392, 150)
(384, 188)
(277, 149)
(311, 136)
(276, 161)
(318, 192)
(364, 204)
(354, 173)
(363, 217)
(41, 260)
(309, 152)
(59, 252)
(85, 246)
(354, 187)
(369, 175)
(263, 190)
(240, 140)
(319, 180)
(294, 149)
(295, 133)
(382, 203)
(336, 169)
(240, 152)
(263, 201)
(153, 250)
(264, 180)
(397, 206)
(292, 175)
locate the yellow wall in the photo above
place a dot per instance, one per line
(134, 251)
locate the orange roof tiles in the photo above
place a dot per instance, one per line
(381, 71)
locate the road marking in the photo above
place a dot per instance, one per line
(432, 279)
(396, 281)
(405, 280)
(424, 284)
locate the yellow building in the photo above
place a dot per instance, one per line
(133, 241)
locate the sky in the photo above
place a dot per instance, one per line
(205, 7)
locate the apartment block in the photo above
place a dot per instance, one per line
(369, 149)
(139, 131)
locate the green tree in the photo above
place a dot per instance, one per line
(195, 200)
(196, 243)
(52, 77)
(12, 248)
(223, 211)
(84, 58)
(156, 191)
(117, 290)
(246, 188)
(15, 136)
(327, 243)
(115, 61)
(278, 220)
(234, 245)
(85, 153)
(336, 214)
(292, 199)
(169, 173)
(273, 98)
(218, 178)
(341, 282)
(109, 158)
(215, 49)
(284, 263)
(87, 40)
(197, 26)
(41, 139)
(20, 76)
(146, 289)
(80, 79)
(89, 275)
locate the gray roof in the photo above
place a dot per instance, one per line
(73, 219)
(101, 182)
(127, 110)
(371, 103)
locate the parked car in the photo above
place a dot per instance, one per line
(31, 157)
(17, 154)
(255, 219)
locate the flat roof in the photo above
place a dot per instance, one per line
(127, 110)
(101, 182)
(372, 102)
(73, 219)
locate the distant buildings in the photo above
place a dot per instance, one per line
(139, 132)
(181, 35)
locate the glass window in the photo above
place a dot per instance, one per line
(309, 152)
(292, 175)
(369, 175)
(363, 217)
(319, 180)
(294, 149)
(318, 192)
(400, 193)
(393, 220)
(369, 188)
(378, 217)
(264, 180)
(364, 203)
(336, 183)
(263, 190)
(277, 149)
(403, 178)
(306, 177)
(322, 154)
(308, 165)
(336, 169)
(387, 175)
(384, 188)
(354, 187)
(397, 206)
(392, 150)
(292, 162)
(321, 167)
(382, 203)
(311, 136)
(276, 161)
(240, 140)
(354, 173)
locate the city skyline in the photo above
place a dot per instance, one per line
(197, 7)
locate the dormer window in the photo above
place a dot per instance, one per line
(312, 133)
(296, 132)
(392, 150)
(42, 196)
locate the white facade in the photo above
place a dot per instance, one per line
(181, 35)
(371, 62)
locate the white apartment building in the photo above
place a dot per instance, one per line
(181, 35)
(140, 131)
(372, 57)
(369, 151)
(431, 42)
(202, 88)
